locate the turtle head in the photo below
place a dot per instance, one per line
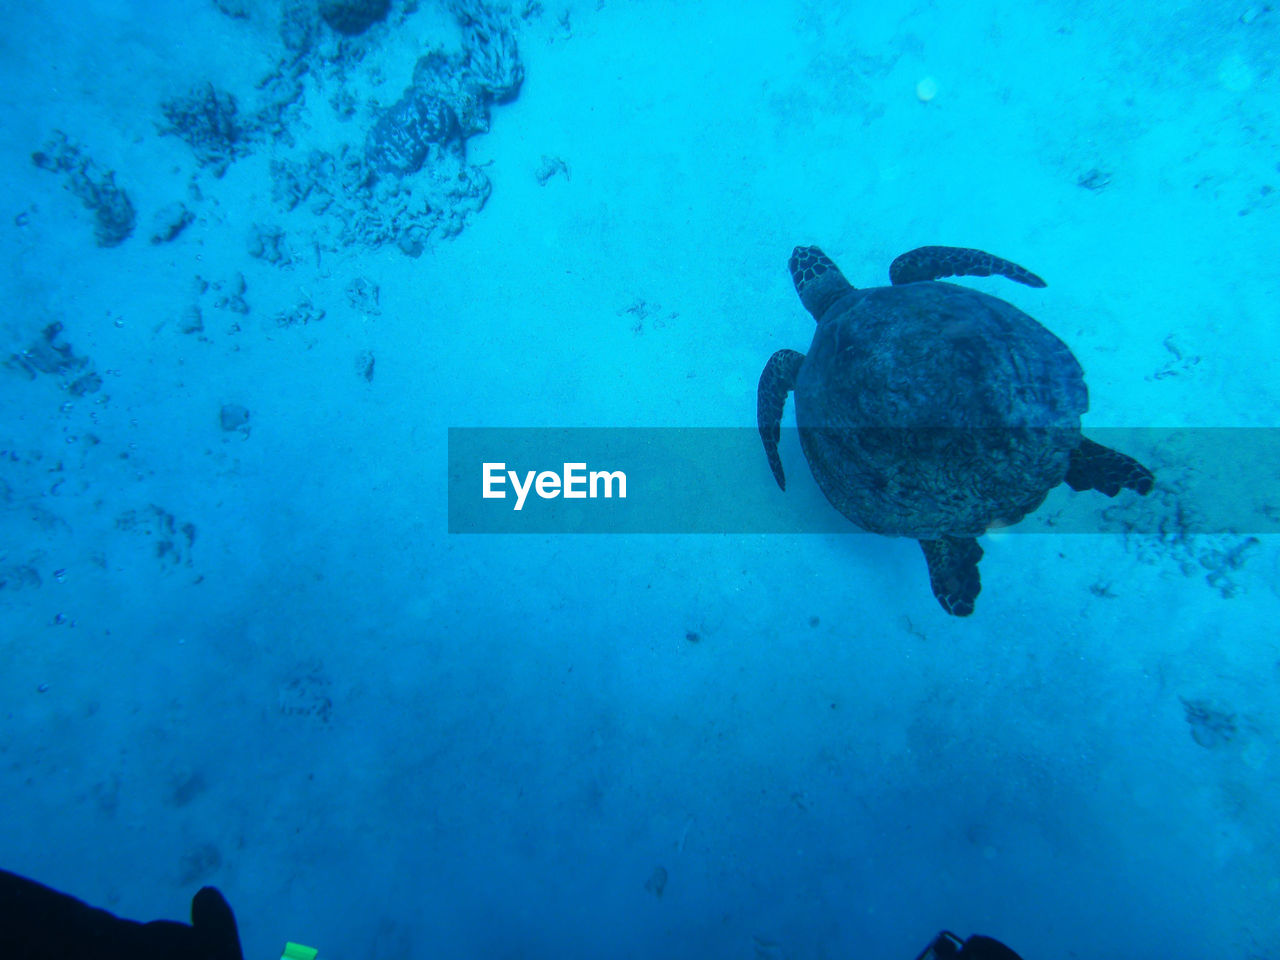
(818, 281)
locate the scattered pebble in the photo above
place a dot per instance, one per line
(191, 321)
(657, 882)
(1093, 179)
(304, 313)
(232, 297)
(362, 294)
(268, 243)
(550, 167)
(234, 417)
(1210, 725)
(169, 222)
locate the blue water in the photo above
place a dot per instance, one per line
(239, 647)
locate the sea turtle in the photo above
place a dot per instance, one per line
(933, 411)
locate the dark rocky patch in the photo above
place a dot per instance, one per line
(353, 17)
(113, 214)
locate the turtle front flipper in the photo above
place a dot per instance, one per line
(1095, 467)
(777, 380)
(953, 572)
(930, 263)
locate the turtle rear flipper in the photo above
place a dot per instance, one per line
(930, 263)
(776, 381)
(1095, 467)
(953, 572)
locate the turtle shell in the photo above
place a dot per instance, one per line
(930, 409)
